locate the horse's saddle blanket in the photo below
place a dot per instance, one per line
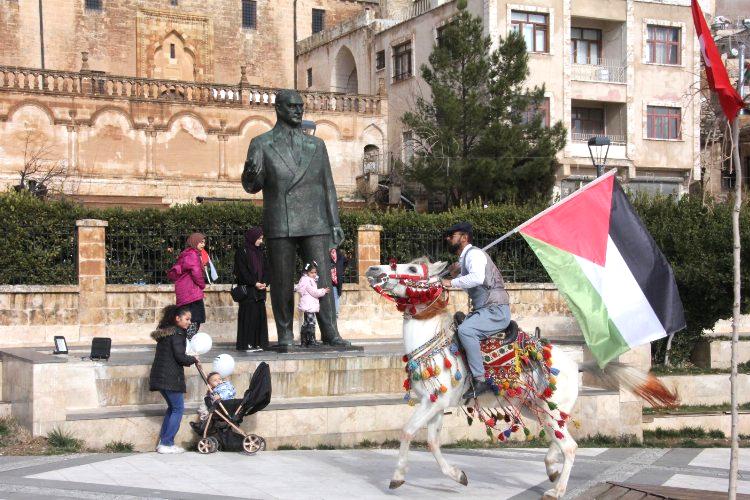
(498, 351)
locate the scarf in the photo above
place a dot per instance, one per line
(254, 253)
(194, 239)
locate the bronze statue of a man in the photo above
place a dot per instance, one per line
(299, 211)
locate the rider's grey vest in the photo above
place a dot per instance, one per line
(492, 291)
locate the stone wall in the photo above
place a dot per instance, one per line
(33, 315)
(132, 37)
(170, 140)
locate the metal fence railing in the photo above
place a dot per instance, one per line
(145, 257)
(513, 257)
(37, 255)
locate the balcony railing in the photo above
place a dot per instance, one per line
(607, 70)
(98, 85)
(614, 139)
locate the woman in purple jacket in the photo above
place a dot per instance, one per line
(189, 282)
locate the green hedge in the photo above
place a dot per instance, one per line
(696, 239)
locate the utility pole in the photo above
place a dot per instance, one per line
(734, 458)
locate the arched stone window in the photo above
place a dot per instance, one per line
(345, 73)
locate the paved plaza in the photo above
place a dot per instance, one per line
(361, 474)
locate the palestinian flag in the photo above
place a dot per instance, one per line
(616, 281)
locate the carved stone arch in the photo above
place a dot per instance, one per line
(373, 134)
(181, 66)
(34, 104)
(190, 114)
(253, 118)
(323, 126)
(99, 112)
(345, 76)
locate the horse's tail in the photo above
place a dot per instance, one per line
(643, 385)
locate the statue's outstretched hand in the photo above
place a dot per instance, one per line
(337, 236)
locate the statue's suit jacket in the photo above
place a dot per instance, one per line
(299, 199)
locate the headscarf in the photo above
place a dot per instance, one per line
(254, 253)
(194, 239)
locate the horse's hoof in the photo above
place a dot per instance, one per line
(463, 479)
(550, 495)
(395, 483)
(553, 476)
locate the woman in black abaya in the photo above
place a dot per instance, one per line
(251, 270)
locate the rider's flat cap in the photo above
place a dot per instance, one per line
(462, 226)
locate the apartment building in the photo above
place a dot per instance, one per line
(625, 69)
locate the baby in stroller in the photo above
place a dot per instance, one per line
(221, 427)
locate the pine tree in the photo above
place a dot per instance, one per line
(474, 138)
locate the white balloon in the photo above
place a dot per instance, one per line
(223, 364)
(201, 343)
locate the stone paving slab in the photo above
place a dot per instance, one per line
(363, 474)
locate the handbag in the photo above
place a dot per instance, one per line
(239, 293)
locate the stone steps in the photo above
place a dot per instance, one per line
(706, 389)
(314, 421)
(717, 353)
(706, 421)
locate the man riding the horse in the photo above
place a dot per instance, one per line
(476, 273)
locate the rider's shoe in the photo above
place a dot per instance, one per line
(476, 390)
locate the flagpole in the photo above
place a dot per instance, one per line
(734, 456)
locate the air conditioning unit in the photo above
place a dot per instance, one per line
(603, 74)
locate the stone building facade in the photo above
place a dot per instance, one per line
(163, 96)
(605, 66)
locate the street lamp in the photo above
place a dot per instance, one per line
(599, 149)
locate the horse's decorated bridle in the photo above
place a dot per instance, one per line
(419, 290)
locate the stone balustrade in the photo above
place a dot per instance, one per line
(101, 85)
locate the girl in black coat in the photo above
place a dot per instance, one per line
(250, 269)
(168, 371)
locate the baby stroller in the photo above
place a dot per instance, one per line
(221, 429)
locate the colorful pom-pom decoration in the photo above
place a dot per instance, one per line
(443, 389)
(554, 371)
(490, 422)
(433, 397)
(447, 363)
(405, 358)
(457, 375)
(559, 435)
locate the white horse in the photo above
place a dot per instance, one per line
(416, 288)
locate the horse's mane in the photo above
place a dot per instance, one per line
(421, 260)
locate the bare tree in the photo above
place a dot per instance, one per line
(43, 172)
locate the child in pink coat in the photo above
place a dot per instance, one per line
(309, 293)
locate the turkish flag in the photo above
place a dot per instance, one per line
(716, 73)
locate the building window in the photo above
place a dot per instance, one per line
(663, 122)
(663, 45)
(532, 111)
(94, 4)
(407, 141)
(380, 59)
(586, 122)
(402, 61)
(318, 20)
(533, 27)
(172, 54)
(249, 14)
(309, 77)
(585, 46)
